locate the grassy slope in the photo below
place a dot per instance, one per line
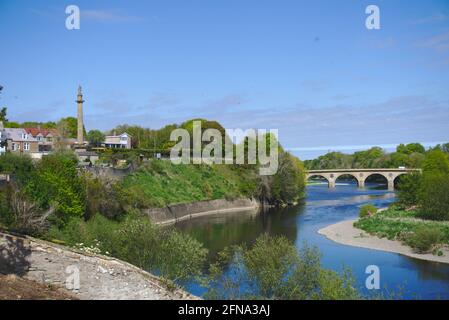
(161, 182)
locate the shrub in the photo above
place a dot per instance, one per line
(367, 210)
(434, 197)
(274, 269)
(424, 238)
(408, 189)
(164, 251)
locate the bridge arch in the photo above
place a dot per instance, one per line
(360, 182)
(379, 174)
(310, 176)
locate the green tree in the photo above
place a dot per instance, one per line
(57, 184)
(436, 161)
(95, 137)
(409, 188)
(68, 127)
(410, 148)
(434, 196)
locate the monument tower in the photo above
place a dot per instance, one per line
(80, 135)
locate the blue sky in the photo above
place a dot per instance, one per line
(308, 68)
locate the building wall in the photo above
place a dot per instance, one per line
(34, 146)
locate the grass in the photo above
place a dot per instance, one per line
(160, 183)
(396, 224)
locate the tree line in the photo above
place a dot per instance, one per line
(409, 155)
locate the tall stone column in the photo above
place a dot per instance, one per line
(80, 135)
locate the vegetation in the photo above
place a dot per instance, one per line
(398, 224)
(423, 201)
(95, 137)
(410, 155)
(274, 269)
(367, 210)
(425, 238)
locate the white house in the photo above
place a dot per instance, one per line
(122, 141)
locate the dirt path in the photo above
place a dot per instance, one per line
(100, 277)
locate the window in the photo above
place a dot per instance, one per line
(24, 136)
(14, 147)
(124, 138)
(26, 146)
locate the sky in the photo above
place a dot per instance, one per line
(310, 69)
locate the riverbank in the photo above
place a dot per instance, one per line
(345, 233)
(100, 277)
(186, 211)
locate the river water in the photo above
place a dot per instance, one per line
(412, 278)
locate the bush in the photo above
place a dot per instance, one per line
(164, 251)
(57, 184)
(424, 238)
(434, 197)
(408, 189)
(274, 269)
(367, 210)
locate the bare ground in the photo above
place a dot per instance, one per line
(100, 277)
(13, 287)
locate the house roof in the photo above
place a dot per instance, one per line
(44, 132)
(15, 134)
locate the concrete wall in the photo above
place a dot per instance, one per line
(174, 213)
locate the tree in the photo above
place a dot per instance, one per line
(57, 184)
(3, 110)
(409, 188)
(434, 196)
(95, 137)
(68, 127)
(436, 161)
(410, 148)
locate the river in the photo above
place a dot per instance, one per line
(412, 278)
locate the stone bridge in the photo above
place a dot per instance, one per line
(331, 175)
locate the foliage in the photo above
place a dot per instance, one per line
(68, 127)
(273, 269)
(397, 224)
(409, 188)
(160, 183)
(95, 137)
(410, 155)
(367, 210)
(20, 167)
(424, 238)
(57, 184)
(434, 196)
(135, 239)
(436, 161)
(103, 197)
(25, 216)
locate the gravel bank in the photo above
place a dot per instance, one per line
(345, 233)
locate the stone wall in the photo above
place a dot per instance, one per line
(174, 213)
